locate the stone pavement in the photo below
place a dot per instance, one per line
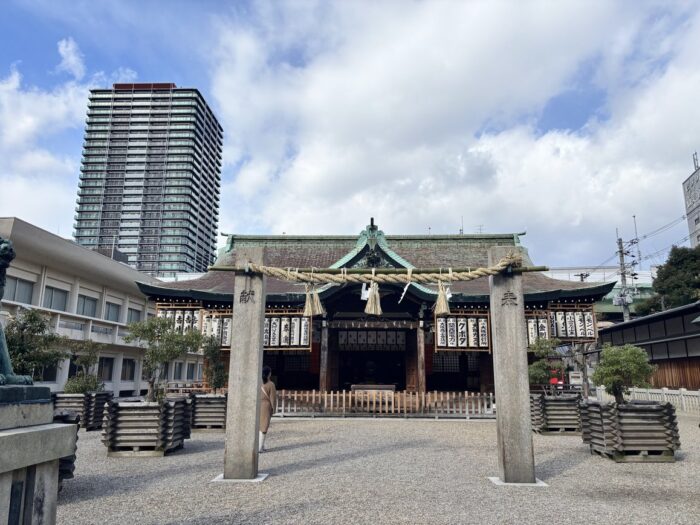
(382, 471)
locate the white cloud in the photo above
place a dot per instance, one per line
(359, 110)
(27, 112)
(38, 181)
(71, 58)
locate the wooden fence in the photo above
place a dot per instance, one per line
(684, 400)
(384, 403)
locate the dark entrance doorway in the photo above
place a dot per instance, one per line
(370, 355)
(372, 368)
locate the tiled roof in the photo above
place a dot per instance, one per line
(427, 251)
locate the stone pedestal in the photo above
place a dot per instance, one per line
(30, 447)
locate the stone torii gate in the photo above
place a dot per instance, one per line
(515, 450)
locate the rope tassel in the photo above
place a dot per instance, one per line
(442, 305)
(373, 301)
(313, 305)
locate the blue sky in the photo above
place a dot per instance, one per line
(560, 119)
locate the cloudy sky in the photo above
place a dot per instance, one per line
(562, 119)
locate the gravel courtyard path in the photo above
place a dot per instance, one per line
(381, 471)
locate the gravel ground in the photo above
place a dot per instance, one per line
(382, 471)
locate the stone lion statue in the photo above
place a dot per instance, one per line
(7, 375)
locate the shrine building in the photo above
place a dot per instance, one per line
(407, 347)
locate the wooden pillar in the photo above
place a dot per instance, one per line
(324, 376)
(420, 349)
(508, 331)
(245, 370)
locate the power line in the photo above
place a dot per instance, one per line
(647, 235)
(660, 229)
(659, 252)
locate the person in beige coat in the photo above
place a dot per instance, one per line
(267, 405)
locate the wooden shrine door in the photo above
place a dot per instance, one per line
(411, 363)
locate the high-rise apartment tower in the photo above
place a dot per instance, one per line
(150, 178)
(691, 193)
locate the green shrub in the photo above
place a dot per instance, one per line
(622, 367)
(82, 384)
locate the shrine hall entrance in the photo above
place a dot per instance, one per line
(372, 357)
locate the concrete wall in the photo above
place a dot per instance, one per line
(46, 264)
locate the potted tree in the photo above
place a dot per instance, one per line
(547, 363)
(32, 344)
(156, 425)
(551, 411)
(628, 431)
(622, 367)
(84, 392)
(209, 410)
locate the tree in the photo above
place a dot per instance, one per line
(540, 371)
(622, 367)
(650, 305)
(32, 343)
(215, 370)
(162, 344)
(677, 281)
(85, 358)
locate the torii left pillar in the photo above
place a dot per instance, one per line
(514, 433)
(245, 370)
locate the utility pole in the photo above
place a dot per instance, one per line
(636, 240)
(623, 281)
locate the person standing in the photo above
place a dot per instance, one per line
(267, 406)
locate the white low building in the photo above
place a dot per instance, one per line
(87, 296)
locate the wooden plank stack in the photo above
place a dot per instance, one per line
(561, 414)
(632, 432)
(66, 464)
(174, 426)
(88, 406)
(537, 412)
(94, 409)
(208, 411)
(599, 427)
(187, 415)
(70, 403)
(143, 428)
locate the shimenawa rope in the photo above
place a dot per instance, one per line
(379, 278)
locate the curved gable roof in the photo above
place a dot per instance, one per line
(400, 251)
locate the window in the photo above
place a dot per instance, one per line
(48, 374)
(445, 362)
(72, 368)
(55, 299)
(177, 371)
(112, 312)
(190, 371)
(133, 315)
(164, 371)
(199, 372)
(105, 368)
(297, 363)
(87, 306)
(19, 290)
(128, 369)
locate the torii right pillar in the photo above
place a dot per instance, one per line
(516, 460)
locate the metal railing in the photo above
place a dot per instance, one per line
(684, 400)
